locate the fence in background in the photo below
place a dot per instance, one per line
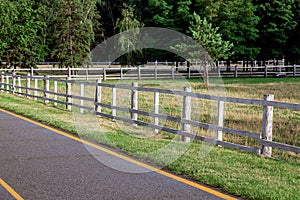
(13, 84)
(161, 72)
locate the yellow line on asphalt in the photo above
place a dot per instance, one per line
(149, 167)
(10, 190)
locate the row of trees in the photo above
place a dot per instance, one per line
(59, 30)
(258, 29)
(32, 31)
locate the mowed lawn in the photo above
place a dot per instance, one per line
(243, 174)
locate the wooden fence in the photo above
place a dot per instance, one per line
(161, 72)
(12, 84)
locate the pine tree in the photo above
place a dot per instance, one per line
(208, 37)
(74, 31)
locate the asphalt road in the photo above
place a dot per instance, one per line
(40, 164)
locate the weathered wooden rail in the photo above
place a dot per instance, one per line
(13, 84)
(161, 72)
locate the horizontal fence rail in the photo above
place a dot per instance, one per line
(159, 71)
(12, 83)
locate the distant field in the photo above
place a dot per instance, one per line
(286, 127)
(243, 174)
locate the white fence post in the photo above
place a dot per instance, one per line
(81, 95)
(35, 87)
(235, 71)
(156, 110)
(121, 73)
(294, 70)
(267, 125)
(114, 101)
(2, 81)
(155, 70)
(139, 73)
(19, 85)
(104, 74)
(46, 89)
(87, 73)
(69, 93)
(266, 71)
(220, 118)
(31, 71)
(98, 96)
(173, 72)
(186, 114)
(219, 72)
(14, 82)
(55, 93)
(69, 72)
(7, 84)
(134, 101)
(28, 85)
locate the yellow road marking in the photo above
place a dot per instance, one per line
(10, 190)
(149, 167)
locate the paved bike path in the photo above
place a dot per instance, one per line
(39, 163)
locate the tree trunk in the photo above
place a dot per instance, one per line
(206, 76)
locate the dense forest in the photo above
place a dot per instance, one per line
(65, 31)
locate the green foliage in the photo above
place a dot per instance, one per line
(74, 31)
(174, 15)
(129, 20)
(129, 42)
(237, 22)
(8, 13)
(161, 14)
(20, 33)
(275, 26)
(209, 38)
(47, 13)
(292, 47)
(32, 31)
(183, 15)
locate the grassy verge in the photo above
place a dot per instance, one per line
(243, 174)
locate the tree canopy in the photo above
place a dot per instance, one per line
(19, 33)
(73, 31)
(65, 31)
(129, 21)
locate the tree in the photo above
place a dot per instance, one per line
(238, 24)
(208, 37)
(127, 43)
(275, 26)
(47, 13)
(160, 14)
(293, 45)
(170, 14)
(8, 12)
(183, 15)
(74, 31)
(20, 34)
